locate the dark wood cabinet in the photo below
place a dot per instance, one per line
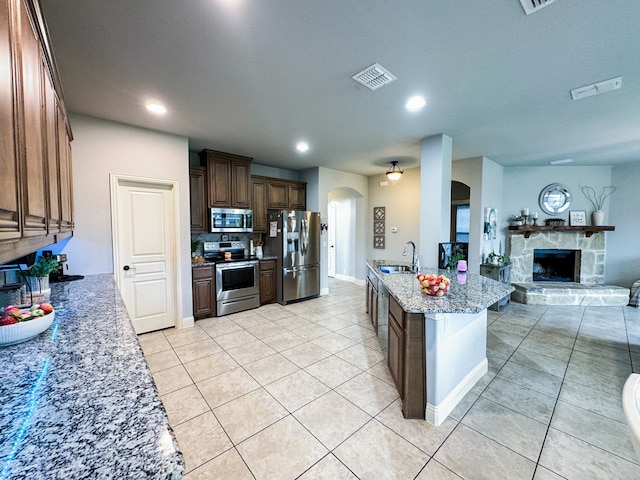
(198, 199)
(286, 195)
(259, 203)
(204, 292)
(407, 358)
(278, 195)
(372, 301)
(273, 193)
(268, 283)
(396, 344)
(36, 200)
(298, 196)
(228, 179)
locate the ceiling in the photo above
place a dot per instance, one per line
(254, 77)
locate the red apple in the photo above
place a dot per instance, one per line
(47, 308)
(8, 320)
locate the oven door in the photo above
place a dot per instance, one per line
(236, 280)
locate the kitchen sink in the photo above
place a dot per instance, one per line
(395, 268)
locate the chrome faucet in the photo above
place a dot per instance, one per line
(415, 263)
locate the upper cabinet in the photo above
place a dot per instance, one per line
(274, 193)
(36, 204)
(287, 195)
(229, 179)
(198, 197)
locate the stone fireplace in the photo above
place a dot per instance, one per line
(556, 265)
(589, 256)
(568, 268)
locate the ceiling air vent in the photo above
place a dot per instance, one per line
(531, 6)
(374, 77)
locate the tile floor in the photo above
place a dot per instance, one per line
(303, 391)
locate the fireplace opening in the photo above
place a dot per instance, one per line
(555, 265)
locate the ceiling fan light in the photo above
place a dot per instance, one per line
(394, 173)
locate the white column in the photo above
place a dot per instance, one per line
(435, 197)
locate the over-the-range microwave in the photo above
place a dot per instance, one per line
(231, 220)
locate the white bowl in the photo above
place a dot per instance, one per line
(23, 331)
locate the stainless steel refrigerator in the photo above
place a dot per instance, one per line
(294, 237)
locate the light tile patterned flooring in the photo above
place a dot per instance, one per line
(303, 391)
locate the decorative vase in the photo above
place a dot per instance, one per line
(597, 217)
(39, 285)
(259, 251)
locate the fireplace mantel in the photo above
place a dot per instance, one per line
(588, 230)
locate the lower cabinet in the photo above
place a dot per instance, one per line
(407, 362)
(396, 345)
(267, 281)
(204, 291)
(372, 301)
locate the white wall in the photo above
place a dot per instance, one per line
(100, 148)
(622, 264)
(401, 200)
(320, 182)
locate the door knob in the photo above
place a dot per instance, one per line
(126, 268)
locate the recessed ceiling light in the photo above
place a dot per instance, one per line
(157, 108)
(302, 147)
(415, 103)
(559, 162)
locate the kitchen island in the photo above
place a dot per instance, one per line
(436, 347)
(78, 401)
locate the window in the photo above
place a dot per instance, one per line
(461, 221)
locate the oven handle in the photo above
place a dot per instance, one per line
(236, 265)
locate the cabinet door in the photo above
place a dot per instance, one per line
(9, 181)
(396, 354)
(267, 282)
(298, 196)
(240, 184)
(203, 292)
(65, 173)
(198, 199)
(259, 204)
(33, 181)
(52, 164)
(219, 171)
(278, 195)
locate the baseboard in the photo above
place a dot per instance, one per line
(324, 291)
(186, 322)
(360, 283)
(346, 278)
(436, 414)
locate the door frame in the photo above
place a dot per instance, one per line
(115, 180)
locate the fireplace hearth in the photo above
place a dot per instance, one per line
(556, 265)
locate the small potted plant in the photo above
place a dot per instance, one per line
(495, 258)
(38, 275)
(195, 245)
(453, 260)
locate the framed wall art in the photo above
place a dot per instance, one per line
(578, 218)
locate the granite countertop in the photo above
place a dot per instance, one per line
(78, 401)
(468, 293)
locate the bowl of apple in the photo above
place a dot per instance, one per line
(20, 324)
(433, 285)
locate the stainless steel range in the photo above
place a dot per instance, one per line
(237, 277)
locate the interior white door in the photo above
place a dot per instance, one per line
(145, 255)
(331, 239)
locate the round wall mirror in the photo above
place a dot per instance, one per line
(554, 198)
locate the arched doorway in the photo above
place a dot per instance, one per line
(341, 240)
